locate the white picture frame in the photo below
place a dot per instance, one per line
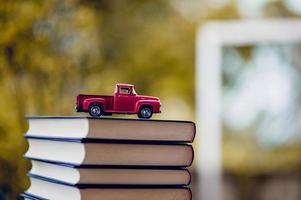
(211, 38)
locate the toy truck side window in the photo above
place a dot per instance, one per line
(124, 90)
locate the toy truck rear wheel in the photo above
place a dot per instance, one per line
(95, 110)
(145, 112)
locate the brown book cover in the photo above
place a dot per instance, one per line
(91, 177)
(87, 128)
(110, 154)
(49, 190)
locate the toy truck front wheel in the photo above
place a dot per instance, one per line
(145, 112)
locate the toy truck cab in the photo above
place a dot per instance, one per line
(124, 101)
(124, 97)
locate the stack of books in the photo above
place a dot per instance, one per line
(109, 158)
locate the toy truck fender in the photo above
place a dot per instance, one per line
(155, 105)
(87, 102)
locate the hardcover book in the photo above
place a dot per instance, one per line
(109, 176)
(51, 190)
(111, 129)
(110, 154)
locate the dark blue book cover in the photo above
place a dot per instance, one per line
(31, 196)
(74, 165)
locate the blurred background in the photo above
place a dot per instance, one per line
(52, 50)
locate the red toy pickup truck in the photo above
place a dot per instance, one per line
(125, 100)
